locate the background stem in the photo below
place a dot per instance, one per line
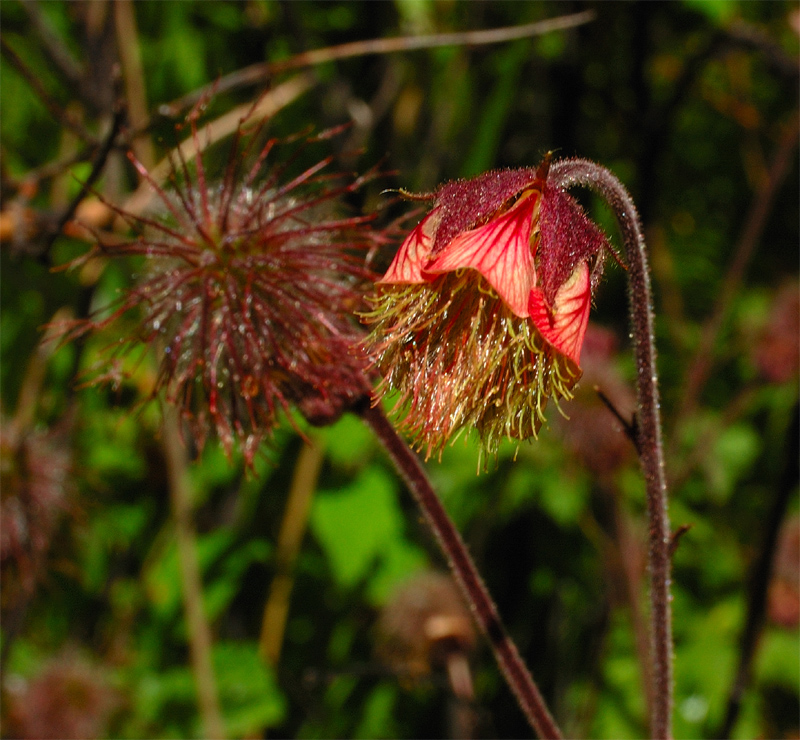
(290, 538)
(565, 174)
(465, 573)
(760, 578)
(191, 582)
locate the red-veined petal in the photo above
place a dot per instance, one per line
(564, 325)
(499, 250)
(407, 264)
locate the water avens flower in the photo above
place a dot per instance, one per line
(480, 318)
(249, 289)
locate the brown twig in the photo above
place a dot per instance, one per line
(701, 365)
(52, 45)
(67, 120)
(200, 641)
(267, 105)
(97, 168)
(676, 538)
(629, 426)
(133, 75)
(260, 73)
(290, 538)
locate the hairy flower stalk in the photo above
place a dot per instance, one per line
(582, 172)
(480, 318)
(249, 287)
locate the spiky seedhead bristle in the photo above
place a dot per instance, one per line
(249, 291)
(461, 359)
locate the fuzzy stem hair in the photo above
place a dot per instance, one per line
(581, 172)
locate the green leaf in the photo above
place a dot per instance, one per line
(361, 524)
(734, 453)
(223, 588)
(377, 719)
(348, 441)
(249, 694)
(777, 660)
(718, 11)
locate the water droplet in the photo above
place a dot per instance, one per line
(249, 386)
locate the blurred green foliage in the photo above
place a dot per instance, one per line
(688, 103)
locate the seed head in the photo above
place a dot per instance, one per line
(35, 494)
(249, 287)
(423, 625)
(69, 697)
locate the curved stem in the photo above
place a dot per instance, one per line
(464, 571)
(565, 174)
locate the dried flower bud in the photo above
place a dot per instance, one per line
(777, 351)
(248, 291)
(34, 495)
(425, 626)
(481, 315)
(784, 587)
(69, 698)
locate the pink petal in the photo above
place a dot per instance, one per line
(407, 264)
(500, 251)
(564, 325)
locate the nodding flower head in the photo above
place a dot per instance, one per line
(481, 316)
(249, 289)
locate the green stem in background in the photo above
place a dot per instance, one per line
(200, 641)
(581, 172)
(290, 538)
(465, 573)
(760, 578)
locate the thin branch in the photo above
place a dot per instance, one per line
(701, 365)
(97, 169)
(745, 34)
(266, 106)
(260, 73)
(30, 392)
(629, 426)
(676, 538)
(54, 168)
(200, 641)
(465, 573)
(52, 45)
(569, 173)
(290, 538)
(130, 56)
(760, 578)
(56, 110)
